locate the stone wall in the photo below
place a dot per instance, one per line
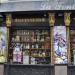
(60, 70)
(1, 69)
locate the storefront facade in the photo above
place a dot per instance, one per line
(37, 37)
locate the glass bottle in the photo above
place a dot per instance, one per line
(42, 38)
(28, 46)
(26, 57)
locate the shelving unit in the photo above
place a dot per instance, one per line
(72, 44)
(34, 44)
(30, 40)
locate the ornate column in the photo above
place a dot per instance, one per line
(51, 23)
(8, 20)
(67, 19)
(8, 24)
(51, 19)
(67, 22)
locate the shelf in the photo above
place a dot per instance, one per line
(33, 39)
(36, 56)
(26, 49)
(31, 25)
(72, 42)
(28, 42)
(72, 49)
(12, 64)
(29, 34)
(21, 42)
(39, 49)
(22, 49)
(33, 49)
(41, 34)
(72, 33)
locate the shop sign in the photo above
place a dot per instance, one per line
(58, 5)
(38, 5)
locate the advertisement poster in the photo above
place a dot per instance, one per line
(60, 47)
(3, 44)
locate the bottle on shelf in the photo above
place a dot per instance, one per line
(72, 45)
(42, 38)
(27, 46)
(24, 46)
(38, 38)
(37, 46)
(26, 57)
(17, 38)
(31, 46)
(33, 60)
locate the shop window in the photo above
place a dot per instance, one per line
(30, 40)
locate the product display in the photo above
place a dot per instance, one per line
(31, 46)
(72, 45)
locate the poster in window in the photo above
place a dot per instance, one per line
(3, 44)
(60, 46)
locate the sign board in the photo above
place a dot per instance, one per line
(38, 5)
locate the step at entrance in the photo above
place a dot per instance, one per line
(60, 70)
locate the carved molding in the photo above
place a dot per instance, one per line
(51, 19)
(67, 19)
(8, 20)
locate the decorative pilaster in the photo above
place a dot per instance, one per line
(51, 24)
(51, 19)
(8, 24)
(67, 19)
(68, 44)
(52, 49)
(8, 20)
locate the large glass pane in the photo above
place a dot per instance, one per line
(3, 44)
(60, 47)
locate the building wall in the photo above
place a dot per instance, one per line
(1, 69)
(3, 1)
(61, 70)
